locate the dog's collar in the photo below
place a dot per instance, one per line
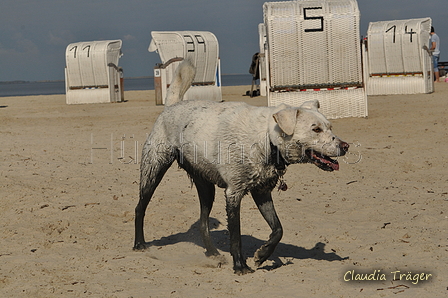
(280, 165)
(277, 159)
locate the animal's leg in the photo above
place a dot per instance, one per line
(155, 162)
(233, 204)
(266, 207)
(206, 193)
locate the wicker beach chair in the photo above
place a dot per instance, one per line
(312, 51)
(92, 74)
(397, 60)
(201, 48)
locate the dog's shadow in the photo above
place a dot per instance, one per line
(250, 244)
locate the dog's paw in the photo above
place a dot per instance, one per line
(258, 259)
(212, 253)
(140, 246)
(220, 258)
(243, 270)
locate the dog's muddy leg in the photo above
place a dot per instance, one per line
(266, 207)
(154, 165)
(233, 204)
(206, 193)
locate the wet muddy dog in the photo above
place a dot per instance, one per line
(240, 148)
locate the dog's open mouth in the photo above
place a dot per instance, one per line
(322, 161)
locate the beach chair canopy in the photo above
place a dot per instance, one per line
(88, 63)
(200, 47)
(311, 50)
(395, 47)
(397, 58)
(92, 74)
(313, 43)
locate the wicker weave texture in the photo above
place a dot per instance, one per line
(313, 43)
(313, 52)
(397, 62)
(334, 104)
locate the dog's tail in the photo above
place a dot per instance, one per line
(183, 77)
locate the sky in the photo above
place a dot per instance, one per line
(35, 33)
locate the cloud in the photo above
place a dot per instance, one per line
(18, 47)
(129, 37)
(60, 38)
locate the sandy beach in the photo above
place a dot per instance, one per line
(69, 185)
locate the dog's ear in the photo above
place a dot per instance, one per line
(311, 105)
(286, 120)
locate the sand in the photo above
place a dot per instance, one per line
(69, 185)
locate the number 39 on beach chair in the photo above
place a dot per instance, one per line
(199, 47)
(397, 60)
(312, 50)
(92, 74)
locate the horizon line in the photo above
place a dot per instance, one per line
(140, 77)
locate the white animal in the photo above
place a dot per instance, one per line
(238, 147)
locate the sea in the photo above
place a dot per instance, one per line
(20, 88)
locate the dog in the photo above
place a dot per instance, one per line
(235, 146)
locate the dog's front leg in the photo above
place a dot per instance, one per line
(263, 200)
(233, 204)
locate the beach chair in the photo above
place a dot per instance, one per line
(92, 74)
(201, 48)
(312, 50)
(396, 57)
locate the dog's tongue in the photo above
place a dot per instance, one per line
(335, 166)
(332, 163)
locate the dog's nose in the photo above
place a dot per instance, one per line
(344, 146)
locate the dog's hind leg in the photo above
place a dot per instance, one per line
(155, 163)
(206, 193)
(233, 206)
(264, 203)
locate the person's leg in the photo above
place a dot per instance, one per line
(436, 68)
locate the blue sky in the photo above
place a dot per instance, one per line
(35, 33)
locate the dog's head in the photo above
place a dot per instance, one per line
(304, 135)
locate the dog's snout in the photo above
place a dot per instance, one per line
(344, 146)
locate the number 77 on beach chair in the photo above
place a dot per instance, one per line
(92, 74)
(312, 50)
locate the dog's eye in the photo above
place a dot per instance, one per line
(317, 129)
